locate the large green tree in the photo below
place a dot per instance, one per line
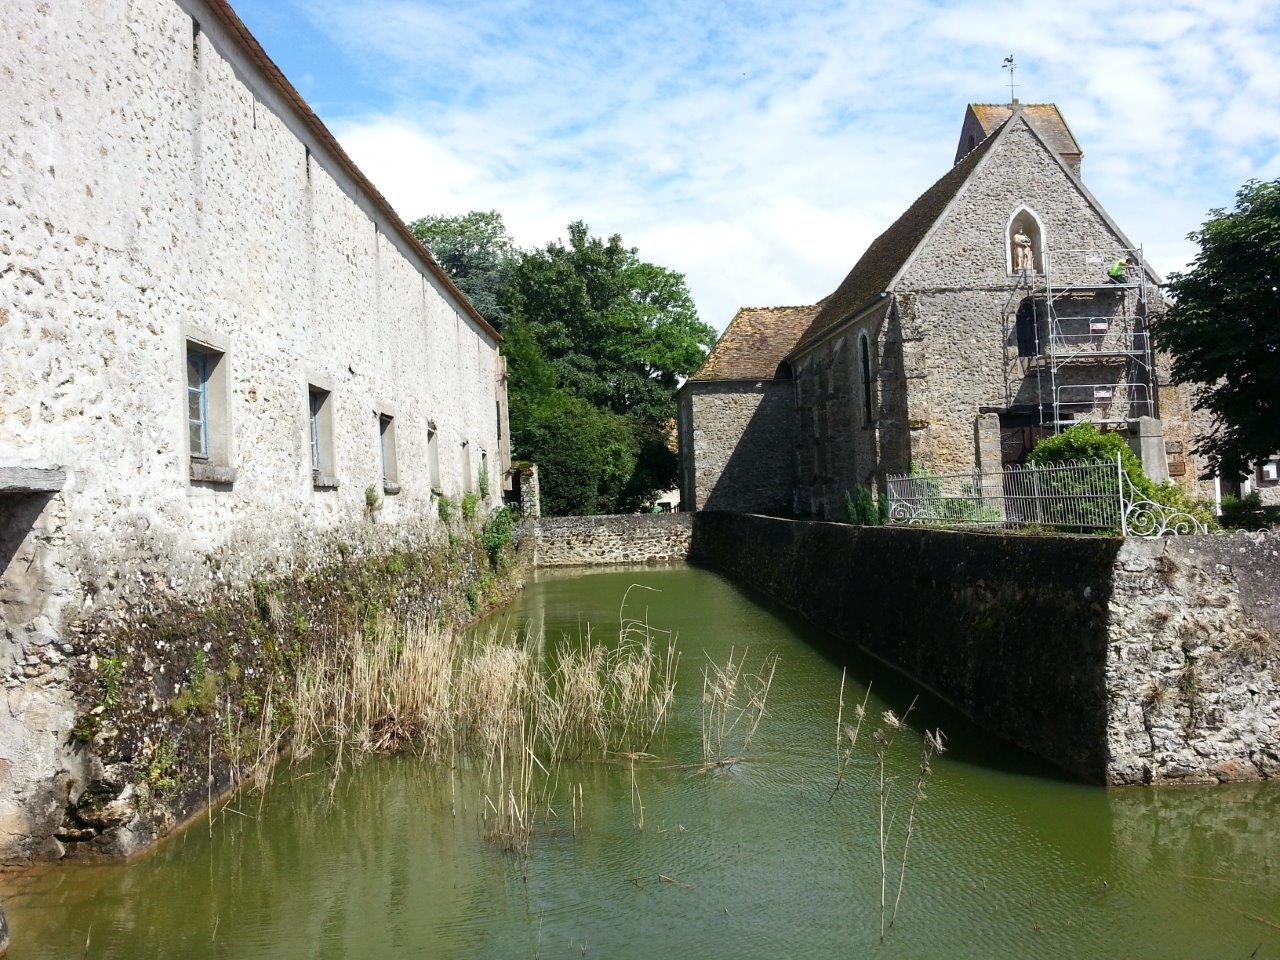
(618, 331)
(596, 340)
(1223, 330)
(477, 253)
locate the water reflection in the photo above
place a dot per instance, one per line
(389, 862)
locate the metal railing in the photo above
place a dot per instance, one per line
(1080, 496)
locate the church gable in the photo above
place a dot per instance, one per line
(1019, 188)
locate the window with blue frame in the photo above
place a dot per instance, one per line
(200, 365)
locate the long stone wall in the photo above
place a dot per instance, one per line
(1121, 661)
(159, 188)
(619, 538)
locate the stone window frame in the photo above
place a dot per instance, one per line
(1039, 254)
(866, 389)
(433, 458)
(384, 418)
(215, 463)
(468, 478)
(321, 448)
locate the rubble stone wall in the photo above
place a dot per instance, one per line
(1123, 661)
(618, 538)
(156, 188)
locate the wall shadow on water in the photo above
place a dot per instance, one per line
(1010, 629)
(967, 741)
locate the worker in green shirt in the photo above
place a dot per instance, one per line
(1118, 272)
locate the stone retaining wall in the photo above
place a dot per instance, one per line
(618, 538)
(1121, 661)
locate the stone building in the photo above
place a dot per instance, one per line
(981, 320)
(218, 345)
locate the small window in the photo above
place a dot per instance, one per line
(433, 457)
(320, 437)
(468, 479)
(199, 367)
(484, 473)
(864, 369)
(387, 453)
(208, 417)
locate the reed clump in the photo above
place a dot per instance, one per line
(734, 700)
(492, 699)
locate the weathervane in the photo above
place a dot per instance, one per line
(1011, 67)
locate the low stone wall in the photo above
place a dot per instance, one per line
(1121, 661)
(617, 538)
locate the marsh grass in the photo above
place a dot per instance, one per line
(492, 700)
(734, 701)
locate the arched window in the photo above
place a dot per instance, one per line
(1024, 328)
(1024, 242)
(864, 374)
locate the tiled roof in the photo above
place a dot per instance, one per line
(873, 273)
(1045, 117)
(755, 342)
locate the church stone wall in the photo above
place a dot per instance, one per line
(738, 454)
(154, 187)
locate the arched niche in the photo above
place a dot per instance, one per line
(1024, 222)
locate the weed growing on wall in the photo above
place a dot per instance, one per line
(182, 698)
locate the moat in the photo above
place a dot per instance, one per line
(758, 860)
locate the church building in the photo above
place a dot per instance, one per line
(1004, 305)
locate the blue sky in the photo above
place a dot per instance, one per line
(758, 147)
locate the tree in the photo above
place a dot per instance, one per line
(596, 341)
(477, 253)
(1223, 330)
(618, 331)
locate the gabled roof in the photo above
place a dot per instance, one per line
(889, 252)
(1045, 118)
(755, 342)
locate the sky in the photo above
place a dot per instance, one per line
(758, 147)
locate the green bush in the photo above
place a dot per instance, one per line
(444, 508)
(863, 509)
(470, 505)
(498, 533)
(1248, 513)
(1086, 443)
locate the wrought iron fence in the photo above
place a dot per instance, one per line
(1081, 496)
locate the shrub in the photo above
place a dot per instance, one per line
(498, 533)
(372, 502)
(470, 504)
(1247, 512)
(1086, 443)
(863, 509)
(934, 503)
(444, 508)
(484, 482)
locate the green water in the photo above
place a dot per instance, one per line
(1009, 860)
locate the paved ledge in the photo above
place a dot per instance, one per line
(32, 479)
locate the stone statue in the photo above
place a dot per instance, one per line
(1021, 251)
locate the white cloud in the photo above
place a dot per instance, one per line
(759, 147)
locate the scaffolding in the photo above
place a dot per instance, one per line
(1085, 337)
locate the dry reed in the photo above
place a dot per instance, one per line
(733, 704)
(448, 694)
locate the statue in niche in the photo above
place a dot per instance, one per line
(1022, 254)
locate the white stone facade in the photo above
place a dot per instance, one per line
(158, 187)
